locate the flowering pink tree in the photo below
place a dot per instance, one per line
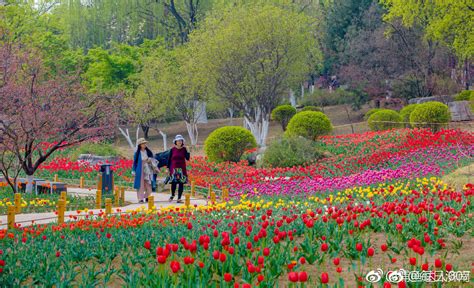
(43, 112)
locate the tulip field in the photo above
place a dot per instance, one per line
(376, 201)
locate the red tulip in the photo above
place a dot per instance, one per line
(336, 261)
(425, 267)
(161, 259)
(359, 247)
(370, 252)
(324, 278)
(216, 254)
(302, 260)
(147, 245)
(236, 241)
(339, 269)
(384, 248)
(438, 263)
(303, 276)
(324, 247)
(222, 257)
(190, 226)
(201, 265)
(266, 251)
(175, 266)
(260, 278)
(412, 261)
(449, 267)
(227, 277)
(293, 277)
(387, 285)
(58, 253)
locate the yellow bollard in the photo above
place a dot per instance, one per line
(225, 194)
(56, 178)
(187, 200)
(11, 217)
(99, 182)
(17, 203)
(117, 197)
(213, 197)
(108, 206)
(210, 190)
(61, 210)
(98, 199)
(151, 202)
(122, 195)
(63, 195)
(81, 182)
(193, 188)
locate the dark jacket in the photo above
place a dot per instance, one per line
(163, 158)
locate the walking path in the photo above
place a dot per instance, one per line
(160, 200)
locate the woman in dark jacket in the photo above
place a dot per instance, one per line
(177, 167)
(142, 170)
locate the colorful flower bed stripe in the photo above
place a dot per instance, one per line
(330, 239)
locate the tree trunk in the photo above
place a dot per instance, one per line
(292, 98)
(259, 128)
(165, 146)
(146, 130)
(127, 136)
(29, 183)
(192, 132)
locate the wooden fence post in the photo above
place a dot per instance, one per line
(63, 195)
(81, 182)
(56, 178)
(17, 203)
(210, 190)
(213, 197)
(61, 210)
(187, 200)
(99, 182)
(151, 202)
(98, 199)
(122, 195)
(11, 217)
(117, 196)
(108, 206)
(193, 188)
(225, 194)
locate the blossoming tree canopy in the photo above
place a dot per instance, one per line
(39, 107)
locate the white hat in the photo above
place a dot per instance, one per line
(177, 138)
(141, 141)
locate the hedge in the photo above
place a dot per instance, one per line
(228, 143)
(384, 119)
(309, 124)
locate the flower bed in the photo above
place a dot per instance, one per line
(327, 238)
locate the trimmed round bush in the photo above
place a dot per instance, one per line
(372, 111)
(309, 124)
(465, 95)
(228, 143)
(384, 119)
(433, 115)
(312, 108)
(283, 114)
(289, 152)
(405, 113)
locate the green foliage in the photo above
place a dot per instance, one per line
(448, 21)
(283, 114)
(249, 54)
(311, 108)
(464, 95)
(371, 112)
(377, 119)
(323, 97)
(98, 149)
(228, 143)
(406, 112)
(309, 124)
(434, 115)
(289, 152)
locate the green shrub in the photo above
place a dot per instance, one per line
(309, 124)
(228, 143)
(434, 115)
(370, 112)
(465, 95)
(99, 149)
(312, 108)
(283, 114)
(384, 120)
(405, 113)
(289, 152)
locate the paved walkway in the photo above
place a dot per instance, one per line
(160, 200)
